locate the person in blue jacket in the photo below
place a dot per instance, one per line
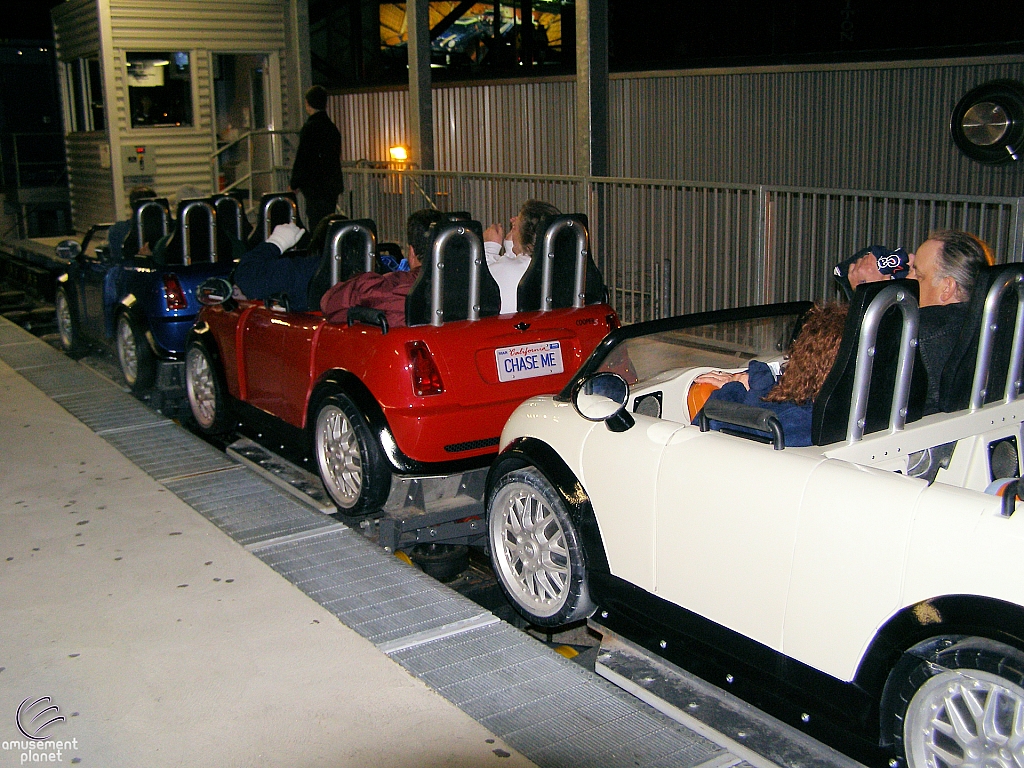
(791, 395)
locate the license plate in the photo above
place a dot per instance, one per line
(525, 361)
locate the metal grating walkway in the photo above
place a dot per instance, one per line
(553, 711)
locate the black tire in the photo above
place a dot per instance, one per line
(962, 698)
(441, 561)
(68, 327)
(138, 363)
(349, 459)
(206, 392)
(536, 551)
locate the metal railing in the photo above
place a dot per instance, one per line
(256, 163)
(674, 247)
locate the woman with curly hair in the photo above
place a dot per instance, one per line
(791, 397)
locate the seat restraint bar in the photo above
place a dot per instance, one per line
(990, 320)
(293, 212)
(582, 250)
(476, 260)
(892, 295)
(186, 242)
(139, 218)
(369, 248)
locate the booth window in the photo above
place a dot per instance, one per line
(160, 89)
(83, 77)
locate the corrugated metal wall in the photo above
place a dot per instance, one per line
(878, 127)
(178, 156)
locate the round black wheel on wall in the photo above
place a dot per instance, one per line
(536, 551)
(349, 459)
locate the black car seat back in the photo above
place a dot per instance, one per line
(275, 208)
(563, 242)
(194, 237)
(151, 220)
(851, 404)
(995, 311)
(346, 247)
(457, 258)
(233, 227)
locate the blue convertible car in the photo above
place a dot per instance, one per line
(142, 300)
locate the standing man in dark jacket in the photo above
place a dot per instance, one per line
(317, 169)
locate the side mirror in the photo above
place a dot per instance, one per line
(213, 291)
(603, 397)
(68, 250)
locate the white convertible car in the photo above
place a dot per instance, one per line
(868, 589)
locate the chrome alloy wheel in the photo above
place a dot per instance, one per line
(127, 352)
(533, 555)
(338, 456)
(200, 386)
(64, 324)
(968, 718)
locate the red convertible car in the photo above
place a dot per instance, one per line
(372, 402)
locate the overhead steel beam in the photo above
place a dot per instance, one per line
(592, 87)
(421, 109)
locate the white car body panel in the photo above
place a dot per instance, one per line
(728, 511)
(607, 458)
(831, 527)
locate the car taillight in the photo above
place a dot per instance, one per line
(174, 294)
(426, 378)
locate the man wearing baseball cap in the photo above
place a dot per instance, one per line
(946, 266)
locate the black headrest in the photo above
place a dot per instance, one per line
(456, 260)
(353, 253)
(563, 274)
(277, 211)
(153, 218)
(958, 373)
(831, 415)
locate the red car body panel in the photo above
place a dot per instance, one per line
(274, 360)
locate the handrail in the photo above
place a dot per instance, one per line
(369, 242)
(1011, 277)
(247, 179)
(891, 295)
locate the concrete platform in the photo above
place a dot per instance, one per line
(164, 643)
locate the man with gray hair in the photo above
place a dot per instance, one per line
(946, 266)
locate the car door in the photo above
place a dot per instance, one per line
(620, 472)
(276, 351)
(727, 519)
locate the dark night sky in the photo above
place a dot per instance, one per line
(27, 19)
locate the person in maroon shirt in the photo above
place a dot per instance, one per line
(384, 292)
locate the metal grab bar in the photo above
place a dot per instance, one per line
(270, 203)
(582, 251)
(138, 219)
(476, 259)
(369, 244)
(1011, 277)
(186, 242)
(891, 295)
